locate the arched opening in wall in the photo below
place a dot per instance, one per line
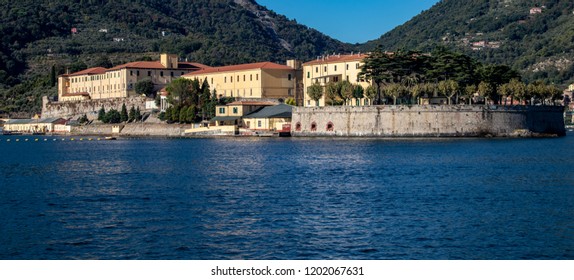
(313, 126)
(298, 126)
(330, 126)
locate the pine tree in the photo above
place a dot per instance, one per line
(138, 115)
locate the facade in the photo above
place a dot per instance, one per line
(233, 113)
(272, 118)
(333, 68)
(120, 81)
(263, 80)
(31, 126)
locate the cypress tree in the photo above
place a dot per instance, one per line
(124, 114)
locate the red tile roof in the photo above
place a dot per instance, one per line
(90, 71)
(241, 67)
(337, 58)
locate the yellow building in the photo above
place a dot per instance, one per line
(232, 113)
(119, 81)
(272, 118)
(333, 68)
(263, 80)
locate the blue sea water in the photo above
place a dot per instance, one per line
(254, 198)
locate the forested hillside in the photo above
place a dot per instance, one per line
(533, 36)
(74, 34)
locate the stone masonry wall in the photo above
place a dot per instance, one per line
(89, 107)
(425, 121)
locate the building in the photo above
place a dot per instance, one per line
(333, 68)
(120, 81)
(33, 126)
(263, 80)
(233, 113)
(271, 118)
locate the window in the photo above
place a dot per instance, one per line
(250, 92)
(238, 78)
(171, 74)
(316, 69)
(298, 126)
(258, 123)
(182, 73)
(231, 79)
(131, 73)
(347, 66)
(335, 67)
(357, 66)
(212, 81)
(313, 126)
(222, 110)
(235, 110)
(251, 77)
(289, 77)
(325, 68)
(138, 73)
(161, 73)
(308, 102)
(225, 79)
(347, 78)
(257, 77)
(244, 78)
(308, 75)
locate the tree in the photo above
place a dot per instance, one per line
(469, 92)
(291, 101)
(132, 114)
(101, 114)
(486, 90)
(358, 93)
(53, 77)
(448, 88)
(396, 91)
(315, 92)
(346, 91)
(145, 87)
(138, 115)
(371, 93)
(332, 91)
(124, 114)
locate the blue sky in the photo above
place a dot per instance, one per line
(351, 21)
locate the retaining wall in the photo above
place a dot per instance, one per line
(75, 109)
(429, 121)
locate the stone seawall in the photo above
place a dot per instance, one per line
(133, 130)
(429, 121)
(75, 109)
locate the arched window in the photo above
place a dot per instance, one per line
(298, 126)
(330, 126)
(313, 126)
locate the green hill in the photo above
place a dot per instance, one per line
(540, 45)
(72, 35)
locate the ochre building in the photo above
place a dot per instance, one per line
(120, 81)
(333, 68)
(262, 80)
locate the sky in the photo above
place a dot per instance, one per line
(350, 21)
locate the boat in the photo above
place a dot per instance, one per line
(110, 138)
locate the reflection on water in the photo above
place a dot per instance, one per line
(253, 198)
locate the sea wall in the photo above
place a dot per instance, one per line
(75, 109)
(429, 121)
(132, 130)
